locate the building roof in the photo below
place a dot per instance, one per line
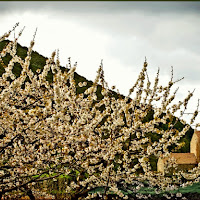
(183, 158)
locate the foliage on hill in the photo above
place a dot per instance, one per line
(38, 62)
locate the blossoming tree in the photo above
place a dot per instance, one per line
(47, 130)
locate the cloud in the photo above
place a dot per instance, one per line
(167, 40)
(102, 7)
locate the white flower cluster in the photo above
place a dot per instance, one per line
(46, 128)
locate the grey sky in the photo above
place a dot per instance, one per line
(104, 7)
(122, 33)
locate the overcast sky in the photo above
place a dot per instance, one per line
(120, 33)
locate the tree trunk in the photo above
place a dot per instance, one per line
(29, 193)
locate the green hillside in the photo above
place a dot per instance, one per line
(38, 62)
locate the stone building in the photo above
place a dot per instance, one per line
(195, 145)
(183, 161)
